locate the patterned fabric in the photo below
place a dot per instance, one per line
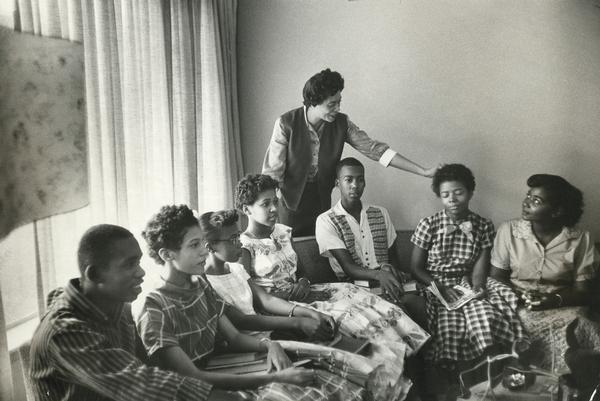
(376, 227)
(79, 353)
(356, 368)
(233, 288)
(464, 334)
(367, 240)
(379, 232)
(547, 331)
(188, 318)
(357, 312)
(569, 257)
(450, 256)
(273, 259)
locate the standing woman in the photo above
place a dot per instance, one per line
(306, 145)
(548, 261)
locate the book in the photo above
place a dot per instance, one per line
(373, 286)
(243, 364)
(350, 344)
(466, 295)
(234, 359)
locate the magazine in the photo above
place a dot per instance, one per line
(466, 295)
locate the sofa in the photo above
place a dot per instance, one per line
(316, 267)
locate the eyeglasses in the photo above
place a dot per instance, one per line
(234, 239)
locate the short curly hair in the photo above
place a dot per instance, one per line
(322, 85)
(167, 228)
(561, 194)
(453, 172)
(211, 223)
(95, 245)
(248, 188)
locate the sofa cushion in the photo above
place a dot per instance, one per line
(311, 264)
(317, 269)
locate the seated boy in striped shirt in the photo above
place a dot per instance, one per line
(85, 346)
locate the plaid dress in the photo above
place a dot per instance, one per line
(464, 334)
(188, 318)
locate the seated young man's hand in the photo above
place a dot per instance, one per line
(276, 357)
(390, 284)
(299, 291)
(296, 376)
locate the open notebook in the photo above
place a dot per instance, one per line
(466, 295)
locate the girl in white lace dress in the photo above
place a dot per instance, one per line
(271, 261)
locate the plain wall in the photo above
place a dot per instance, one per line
(510, 88)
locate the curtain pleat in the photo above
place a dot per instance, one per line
(162, 116)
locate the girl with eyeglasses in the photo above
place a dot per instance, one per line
(230, 280)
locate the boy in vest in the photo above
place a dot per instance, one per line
(360, 239)
(307, 143)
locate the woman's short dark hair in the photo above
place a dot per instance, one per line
(453, 172)
(211, 223)
(94, 245)
(321, 86)
(561, 195)
(167, 228)
(248, 188)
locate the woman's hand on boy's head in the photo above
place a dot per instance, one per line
(429, 172)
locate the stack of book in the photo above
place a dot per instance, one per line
(243, 363)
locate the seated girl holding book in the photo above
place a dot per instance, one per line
(548, 262)
(232, 283)
(453, 247)
(182, 322)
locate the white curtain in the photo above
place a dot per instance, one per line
(162, 113)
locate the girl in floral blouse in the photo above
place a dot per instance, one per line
(270, 259)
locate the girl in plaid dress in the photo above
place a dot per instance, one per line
(453, 247)
(182, 322)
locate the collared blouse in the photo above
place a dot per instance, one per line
(568, 258)
(455, 252)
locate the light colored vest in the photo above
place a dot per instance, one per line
(378, 231)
